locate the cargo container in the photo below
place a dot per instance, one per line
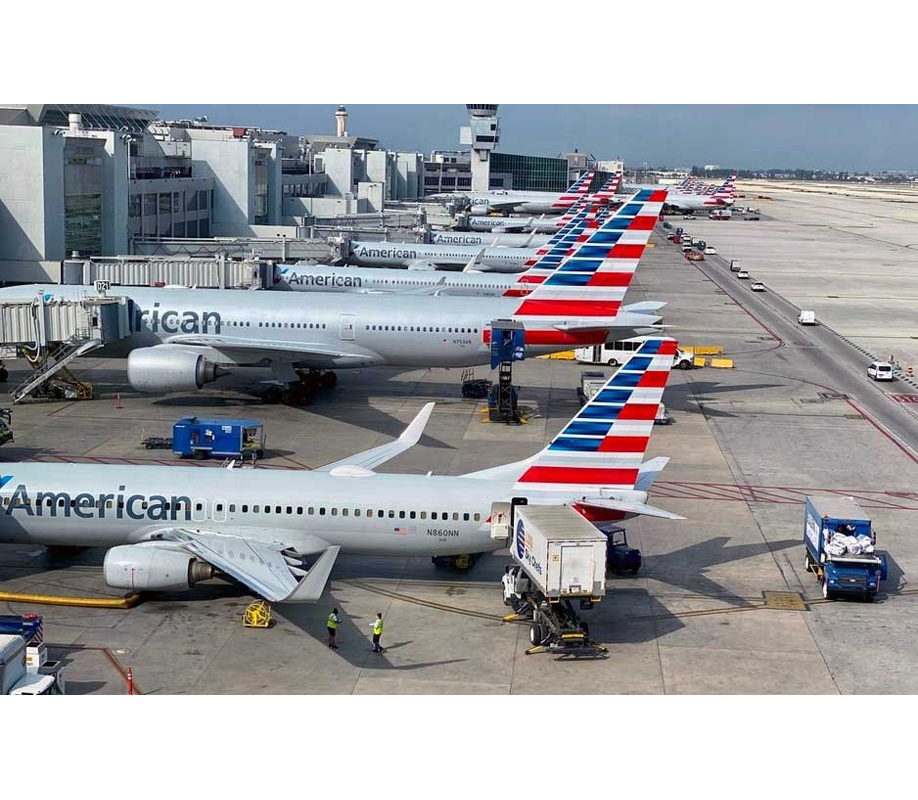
(228, 438)
(563, 554)
(841, 548)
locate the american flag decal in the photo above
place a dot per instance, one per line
(400, 531)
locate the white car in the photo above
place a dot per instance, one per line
(880, 371)
(710, 250)
(807, 316)
(743, 275)
(758, 286)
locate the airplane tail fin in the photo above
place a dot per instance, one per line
(592, 277)
(578, 189)
(603, 445)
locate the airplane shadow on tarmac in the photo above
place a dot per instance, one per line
(692, 397)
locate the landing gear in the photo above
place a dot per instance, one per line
(301, 392)
(460, 563)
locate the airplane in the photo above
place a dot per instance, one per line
(170, 527)
(320, 278)
(700, 197)
(182, 339)
(605, 195)
(430, 256)
(477, 238)
(499, 200)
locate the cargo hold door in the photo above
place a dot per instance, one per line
(576, 569)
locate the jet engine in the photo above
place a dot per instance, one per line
(170, 369)
(479, 210)
(139, 568)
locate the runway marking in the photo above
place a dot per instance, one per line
(782, 495)
(904, 398)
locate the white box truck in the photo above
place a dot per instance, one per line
(563, 554)
(560, 557)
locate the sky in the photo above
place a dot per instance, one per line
(853, 138)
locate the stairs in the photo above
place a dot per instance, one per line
(53, 363)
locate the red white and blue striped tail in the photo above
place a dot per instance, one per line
(603, 446)
(578, 189)
(608, 190)
(591, 279)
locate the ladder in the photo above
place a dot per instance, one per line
(54, 363)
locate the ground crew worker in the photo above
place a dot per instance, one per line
(332, 626)
(377, 625)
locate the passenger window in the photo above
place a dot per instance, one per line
(344, 512)
(255, 509)
(245, 509)
(391, 514)
(401, 515)
(219, 506)
(299, 510)
(356, 512)
(267, 509)
(478, 518)
(289, 509)
(198, 506)
(232, 508)
(321, 511)
(381, 513)
(455, 516)
(465, 517)
(277, 509)
(311, 510)
(433, 514)
(334, 512)
(413, 514)
(423, 515)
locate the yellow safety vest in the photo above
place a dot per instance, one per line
(377, 627)
(332, 622)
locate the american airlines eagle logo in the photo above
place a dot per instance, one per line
(4, 480)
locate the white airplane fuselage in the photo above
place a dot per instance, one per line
(404, 254)
(487, 238)
(318, 278)
(373, 329)
(95, 505)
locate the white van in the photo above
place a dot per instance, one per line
(615, 353)
(807, 316)
(880, 371)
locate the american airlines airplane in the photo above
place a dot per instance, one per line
(413, 255)
(483, 203)
(486, 239)
(279, 532)
(605, 195)
(700, 197)
(182, 339)
(321, 278)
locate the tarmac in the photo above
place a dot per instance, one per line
(795, 416)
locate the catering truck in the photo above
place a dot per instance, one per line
(841, 548)
(560, 557)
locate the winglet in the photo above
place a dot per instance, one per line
(310, 589)
(470, 267)
(412, 434)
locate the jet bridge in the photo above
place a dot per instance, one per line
(50, 333)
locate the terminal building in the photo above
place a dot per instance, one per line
(98, 180)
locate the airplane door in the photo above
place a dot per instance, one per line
(218, 510)
(347, 327)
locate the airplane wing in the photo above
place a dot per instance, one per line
(375, 456)
(266, 347)
(262, 567)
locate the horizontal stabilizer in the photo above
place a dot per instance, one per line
(628, 507)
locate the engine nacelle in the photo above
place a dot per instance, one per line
(169, 369)
(131, 566)
(480, 210)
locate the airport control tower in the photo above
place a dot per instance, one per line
(482, 136)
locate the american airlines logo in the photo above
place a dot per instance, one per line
(384, 252)
(170, 320)
(335, 281)
(459, 238)
(156, 507)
